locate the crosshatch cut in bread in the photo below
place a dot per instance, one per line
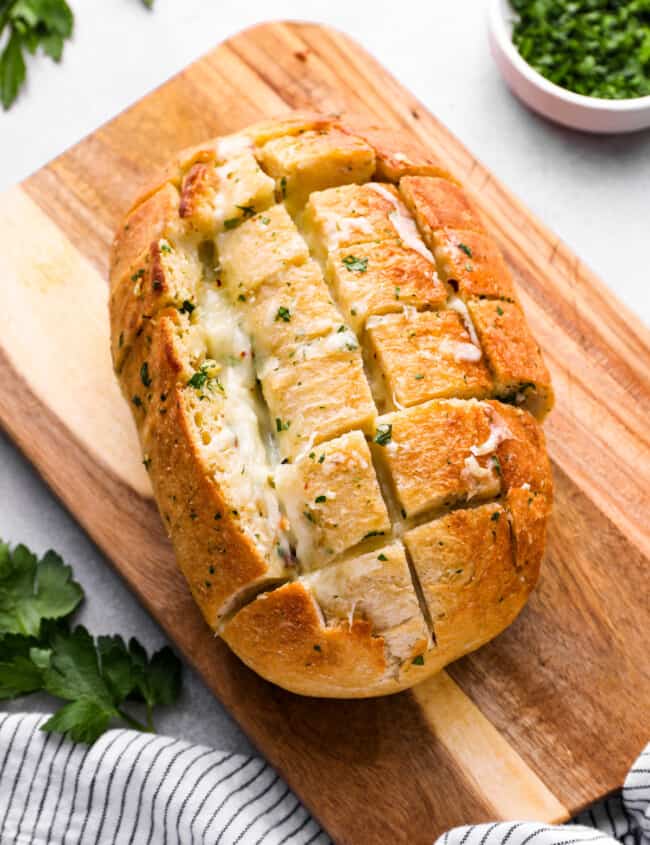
(338, 400)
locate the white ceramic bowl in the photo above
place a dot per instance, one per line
(590, 114)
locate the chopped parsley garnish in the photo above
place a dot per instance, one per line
(187, 307)
(373, 534)
(265, 220)
(418, 661)
(355, 265)
(232, 223)
(320, 499)
(598, 48)
(419, 377)
(165, 247)
(384, 434)
(281, 426)
(495, 516)
(246, 210)
(382, 556)
(499, 311)
(466, 250)
(497, 464)
(242, 297)
(283, 187)
(340, 329)
(145, 377)
(198, 380)
(283, 314)
(202, 377)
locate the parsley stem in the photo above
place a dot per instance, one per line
(134, 723)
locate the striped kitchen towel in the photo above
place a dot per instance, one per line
(131, 787)
(137, 788)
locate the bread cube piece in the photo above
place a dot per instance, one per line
(466, 568)
(428, 454)
(293, 123)
(472, 264)
(258, 249)
(166, 277)
(513, 355)
(438, 204)
(528, 511)
(318, 396)
(291, 308)
(521, 449)
(377, 587)
(314, 161)
(426, 355)
(353, 214)
(398, 154)
(380, 278)
(154, 218)
(215, 198)
(332, 499)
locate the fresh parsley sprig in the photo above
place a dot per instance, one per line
(28, 25)
(39, 651)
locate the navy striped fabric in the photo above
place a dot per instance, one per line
(137, 788)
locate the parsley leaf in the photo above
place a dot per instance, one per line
(97, 678)
(30, 24)
(384, 434)
(283, 314)
(355, 265)
(32, 590)
(74, 675)
(38, 651)
(19, 674)
(12, 69)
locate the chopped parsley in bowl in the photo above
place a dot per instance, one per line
(598, 48)
(582, 63)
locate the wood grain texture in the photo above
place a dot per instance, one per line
(544, 719)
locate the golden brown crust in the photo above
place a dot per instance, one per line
(439, 204)
(514, 357)
(281, 635)
(399, 155)
(424, 356)
(465, 561)
(144, 225)
(476, 563)
(522, 456)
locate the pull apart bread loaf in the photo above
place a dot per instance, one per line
(338, 400)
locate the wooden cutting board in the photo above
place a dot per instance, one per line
(535, 725)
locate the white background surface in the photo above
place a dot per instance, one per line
(593, 191)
